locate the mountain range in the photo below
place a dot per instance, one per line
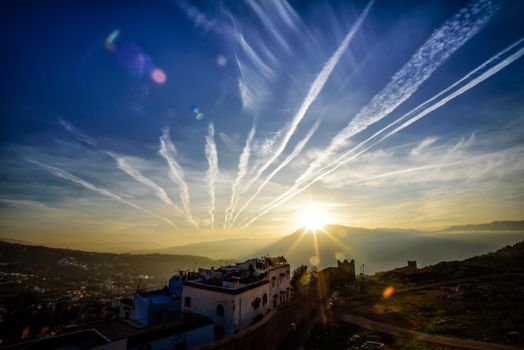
(377, 249)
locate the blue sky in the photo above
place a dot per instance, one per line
(261, 101)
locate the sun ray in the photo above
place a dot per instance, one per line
(295, 244)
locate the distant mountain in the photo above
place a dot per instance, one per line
(494, 226)
(223, 249)
(76, 264)
(384, 249)
(18, 241)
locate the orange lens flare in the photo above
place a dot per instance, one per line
(388, 292)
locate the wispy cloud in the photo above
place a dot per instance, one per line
(212, 171)
(124, 165)
(242, 171)
(472, 79)
(296, 151)
(444, 41)
(72, 178)
(176, 173)
(199, 19)
(229, 142)
(428, 141)
(314, 90)
(80, 136)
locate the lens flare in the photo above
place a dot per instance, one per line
(221, 60)
(110, 40)
(388, 292)
(158, 76)
(314, 260)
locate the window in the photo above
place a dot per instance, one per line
(187, 302)
(264, 299)
(220, 310)
(255, 303)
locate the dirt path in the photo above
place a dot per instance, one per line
(409, 333)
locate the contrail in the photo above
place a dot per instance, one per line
(168, 152)
(314, 91)
(296, 151)
(212, 171)
(77, 133)
(444, 41)
(70, 177)
(124, 165)
(121, 163)
(475, 77)
(242, 170)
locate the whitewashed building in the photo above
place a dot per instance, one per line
(237, 296)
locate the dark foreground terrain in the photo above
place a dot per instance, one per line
(478, 299)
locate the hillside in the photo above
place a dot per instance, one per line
(384, 249)
(494, 226)
(55, 268)
(223, 249)
(478, 298)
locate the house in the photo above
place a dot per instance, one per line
(157, 306)
(237, 296)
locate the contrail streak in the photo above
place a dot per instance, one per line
(475, 77)
(242, 171)
(127, 168)
(296, 151)
(70, 177)
(444, 41)
(76, 133)
(314, 91)
(212, 171)
(121, 163)
(168, 152)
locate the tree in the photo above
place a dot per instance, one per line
(299, 277)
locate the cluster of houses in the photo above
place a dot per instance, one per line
(233, 297)
(193, 309)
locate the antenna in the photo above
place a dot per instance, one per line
(138, 285)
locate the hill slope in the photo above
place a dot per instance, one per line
(384, 249)
(223, 249)
(75, 264)
(494, 226)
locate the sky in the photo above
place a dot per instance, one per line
(135, 124)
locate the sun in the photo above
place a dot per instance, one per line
(312, 219)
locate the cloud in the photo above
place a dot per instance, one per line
(77, 133)
(229, 142)
(212, 171)
(444, 41)
(296, 151)
(70, 177)
(428, 141)
(176, 173)
(470, 80)
(314, 90)
(242, 171)
(126, 167)
(122, 164)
